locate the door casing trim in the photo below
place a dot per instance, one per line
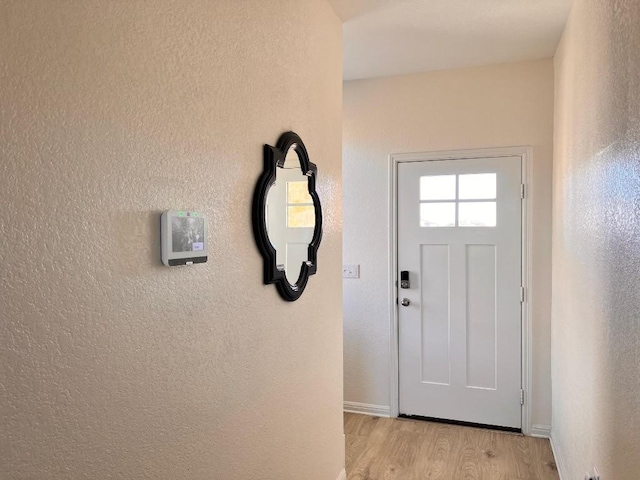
(526, 155)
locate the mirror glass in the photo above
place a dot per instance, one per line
(290, 217)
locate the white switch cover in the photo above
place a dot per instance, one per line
(351, 271)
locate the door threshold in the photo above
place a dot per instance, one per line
(461, 423)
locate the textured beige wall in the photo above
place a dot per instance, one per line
(112, 365)
(596, 242)
(494, 106)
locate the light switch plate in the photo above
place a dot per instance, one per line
(351, 271)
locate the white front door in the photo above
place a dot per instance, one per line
(459, 322)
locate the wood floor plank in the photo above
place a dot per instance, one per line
(403, 449)
(355, 445)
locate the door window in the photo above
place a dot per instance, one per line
(438, 214)
(458, 200)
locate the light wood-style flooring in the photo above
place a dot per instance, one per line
(400, 449)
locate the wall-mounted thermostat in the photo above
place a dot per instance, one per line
(183, 237)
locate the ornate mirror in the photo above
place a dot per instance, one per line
(287, 218)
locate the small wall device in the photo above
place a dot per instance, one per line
(183, 237)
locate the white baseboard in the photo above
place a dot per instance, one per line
(343, 475)
(367, 409)
(542, 431)
(560, 464)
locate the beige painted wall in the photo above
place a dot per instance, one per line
(596, 242)
(494, 106)
(112, 365)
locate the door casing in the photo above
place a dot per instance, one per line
(525, 153)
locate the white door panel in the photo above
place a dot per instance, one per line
(460, 336)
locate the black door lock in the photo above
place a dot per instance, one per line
(404, 279)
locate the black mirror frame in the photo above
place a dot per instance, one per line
(274, 158)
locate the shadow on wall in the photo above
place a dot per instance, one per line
(621, 214)
(615, 186)
(355, 351)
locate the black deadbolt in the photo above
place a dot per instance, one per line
(404, 279)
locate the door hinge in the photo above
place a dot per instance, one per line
(521, 396)
(521, 294)
(522, 190)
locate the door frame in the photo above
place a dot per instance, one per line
(526, 158)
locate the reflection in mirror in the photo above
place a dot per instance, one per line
(290, 217)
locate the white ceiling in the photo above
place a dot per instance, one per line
(392, 37)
